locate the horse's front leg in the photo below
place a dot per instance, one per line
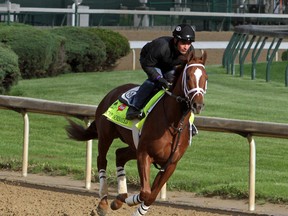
(159, 181)
(123, 155)
(144, 163)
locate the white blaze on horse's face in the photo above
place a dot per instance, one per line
(196, 103)
(198, 74)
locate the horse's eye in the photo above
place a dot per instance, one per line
(188, 77)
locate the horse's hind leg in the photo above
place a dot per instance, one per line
(123, 155)
(103, 147)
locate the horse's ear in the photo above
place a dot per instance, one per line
(204, 56)
(190, 55)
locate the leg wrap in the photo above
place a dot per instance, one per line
(133, 200)
(141, 210)
(103, 190)
(121, 180)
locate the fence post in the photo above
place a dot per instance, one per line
(25, 144)
(252, 172)
(88, 159)
(256, 54)
(242, 56)
(163, 192)
(286, 76)
(270, 57)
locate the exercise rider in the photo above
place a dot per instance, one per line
(158, 59)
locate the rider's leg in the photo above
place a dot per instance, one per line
(139, 99)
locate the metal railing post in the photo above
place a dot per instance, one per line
(286, 76)
(228, 49)
(242, 56)
(25, 144)
(163, 192)
(252, 172)
(270, 57)
(133, 59)
(255, 55)
(88, 159)
(242, 41)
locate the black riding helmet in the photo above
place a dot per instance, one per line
(184, 32)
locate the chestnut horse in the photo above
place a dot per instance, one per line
(164, 137)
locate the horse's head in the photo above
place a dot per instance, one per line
(194, 82)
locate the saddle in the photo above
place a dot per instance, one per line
(117, 111)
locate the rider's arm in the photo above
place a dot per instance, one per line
(149, 61)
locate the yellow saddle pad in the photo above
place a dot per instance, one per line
(117, 112)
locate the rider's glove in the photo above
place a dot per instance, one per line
(163, 82)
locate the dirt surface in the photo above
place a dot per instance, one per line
(61, 196)
(17, 200)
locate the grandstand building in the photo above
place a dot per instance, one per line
(132, 20)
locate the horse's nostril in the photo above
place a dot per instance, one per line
(198, 106)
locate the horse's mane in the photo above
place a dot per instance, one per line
(188, 59)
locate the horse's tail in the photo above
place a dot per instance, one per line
(78, 132)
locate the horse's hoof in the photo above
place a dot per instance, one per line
(101, 212)
(118, 202)
(102, 207)
(93, 213)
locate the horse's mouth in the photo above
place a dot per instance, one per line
(197, 107)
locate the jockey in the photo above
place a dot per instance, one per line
(158, 59)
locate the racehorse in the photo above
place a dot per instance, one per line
(164, 136)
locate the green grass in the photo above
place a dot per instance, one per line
(215, 165)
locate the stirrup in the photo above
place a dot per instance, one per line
(132, 116)
(141, 115)
(194, 130)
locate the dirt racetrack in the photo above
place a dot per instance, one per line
(37, 195)
(24, 201)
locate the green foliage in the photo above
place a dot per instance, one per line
(10, 164)
(9, 70)
(85, 51)
(117, 46)
(284, 56)
(40, 53)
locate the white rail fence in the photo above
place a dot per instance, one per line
(247, 129)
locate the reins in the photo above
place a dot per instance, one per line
(181, 127)
(178, 130)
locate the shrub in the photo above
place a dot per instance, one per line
(85, 51)
(37, 50)
(9, 70)
(117, 45)
(284, 56)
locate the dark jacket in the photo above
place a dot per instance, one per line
(160, 53)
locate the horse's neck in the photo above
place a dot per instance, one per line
(175, 109)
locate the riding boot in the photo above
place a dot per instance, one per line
(139, 100)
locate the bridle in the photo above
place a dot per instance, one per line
(196, 90)
(187, 92)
